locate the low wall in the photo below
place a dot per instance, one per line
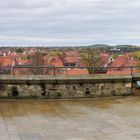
(51, 87)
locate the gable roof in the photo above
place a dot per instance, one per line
(70, 59)
(55, 61)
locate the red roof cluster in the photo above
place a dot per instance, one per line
(70, 58)
(122, 62)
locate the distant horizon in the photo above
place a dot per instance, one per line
(111, 45)
(120, 42)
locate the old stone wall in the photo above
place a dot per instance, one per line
(51, 87)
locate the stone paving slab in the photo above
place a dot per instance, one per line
(86, 119)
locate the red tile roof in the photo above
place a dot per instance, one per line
(24, 62)
(70, 59)
(119, 62)
(104, 59)
(55, 61)
(6, 61)
(122, 62)
(128, 71)
(77, 71)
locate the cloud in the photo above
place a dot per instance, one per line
(69, 22)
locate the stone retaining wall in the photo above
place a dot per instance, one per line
(64, 86)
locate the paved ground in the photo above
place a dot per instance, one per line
(90, 119)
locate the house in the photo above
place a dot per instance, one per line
(53, 63)
(6, 64)
(106, 60)
(69, 61)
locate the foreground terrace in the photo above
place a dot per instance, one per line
(86, 119)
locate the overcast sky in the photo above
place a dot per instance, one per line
(69, 22)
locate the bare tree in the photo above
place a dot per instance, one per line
(37, 63)
(91, 58)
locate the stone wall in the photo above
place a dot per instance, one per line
(51, 87)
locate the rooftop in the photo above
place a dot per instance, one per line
(87, 119)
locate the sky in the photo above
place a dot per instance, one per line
(69, 22)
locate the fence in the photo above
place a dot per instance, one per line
(44, 70)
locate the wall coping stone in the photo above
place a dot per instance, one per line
(66, 79)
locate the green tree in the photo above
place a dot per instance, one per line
(54, 53)
(114, 56)
(19, 50)
(136, 55)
